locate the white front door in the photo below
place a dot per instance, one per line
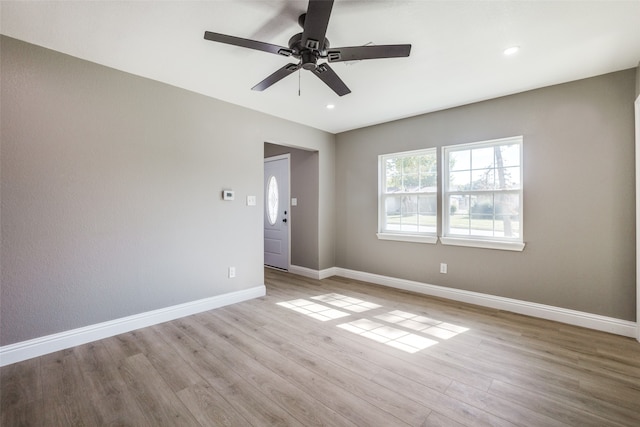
(276, 212)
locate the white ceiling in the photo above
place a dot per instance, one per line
(456, 55)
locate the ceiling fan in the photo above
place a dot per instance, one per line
(310, 45)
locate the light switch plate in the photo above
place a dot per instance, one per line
(294, 201)
(251, 200)
(227, 195)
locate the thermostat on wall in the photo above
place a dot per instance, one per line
(227, 195)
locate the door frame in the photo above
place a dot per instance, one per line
(286, 156)
(637, 115)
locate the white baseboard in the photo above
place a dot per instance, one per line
(312, 274)
(24, 350)
(333, 271)
(572, 317)
(563, 315)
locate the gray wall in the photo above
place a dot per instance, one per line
(638, 81)
(110, 193)
(579, 206)
(304, 216)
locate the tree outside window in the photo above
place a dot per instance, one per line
(408, 196)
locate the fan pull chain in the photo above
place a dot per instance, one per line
(299, 74)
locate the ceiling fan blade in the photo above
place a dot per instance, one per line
(248, 43)
(340, 54)
(331, 79)
(315, 24)
(276, 77)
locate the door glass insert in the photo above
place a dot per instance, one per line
(272, 200)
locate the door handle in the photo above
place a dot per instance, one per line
(284, 220)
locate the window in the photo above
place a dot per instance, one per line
(407, 199)
(482, 194)
(272, 200)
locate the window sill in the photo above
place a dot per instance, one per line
(486, 244)
(408, 238)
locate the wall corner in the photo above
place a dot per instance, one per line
(637, 81)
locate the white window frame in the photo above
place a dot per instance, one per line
(490, 242)
(383, 233)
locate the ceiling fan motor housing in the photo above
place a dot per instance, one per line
(309, 59)
(295, 44)
(309, 54)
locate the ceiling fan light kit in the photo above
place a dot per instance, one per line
(311, 45)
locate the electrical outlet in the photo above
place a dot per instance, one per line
(443, 268)
(232, 272)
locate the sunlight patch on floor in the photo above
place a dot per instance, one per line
(311, 309)
(347, 303)
(426, 325)
(403, 340)
(377, 328)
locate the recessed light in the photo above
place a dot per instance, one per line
(330, 106)
(511, 50)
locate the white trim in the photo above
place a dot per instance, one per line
(279, 157)
(312, 274)
(328, 272)
(24, 350)
(487, 244)
(558, 314)
(414, 238)
(637, 114)
(304, 271)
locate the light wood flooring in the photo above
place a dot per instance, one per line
(396, 359)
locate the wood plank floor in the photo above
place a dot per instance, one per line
(334, 352)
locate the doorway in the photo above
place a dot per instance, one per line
(277, 212)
